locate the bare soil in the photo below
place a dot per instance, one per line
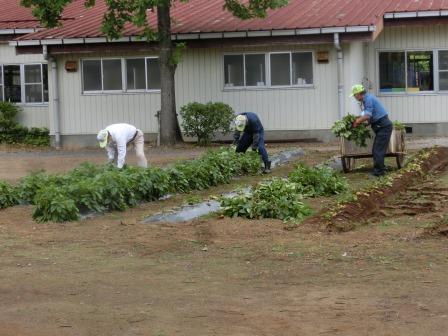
(112, 275)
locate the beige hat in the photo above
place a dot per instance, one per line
(240, 122)
(102, 137)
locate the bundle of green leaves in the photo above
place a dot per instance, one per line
(276, 198)
(399, 126)
(344, 129)
(318, 181)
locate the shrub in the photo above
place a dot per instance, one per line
(205, 120)
(8, 195)
(11, 132)
(53, 204)
(276, 198)
(318, 181)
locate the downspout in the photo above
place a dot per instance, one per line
(55, 97)
(340, 61)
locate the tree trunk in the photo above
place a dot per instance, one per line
(169, 126)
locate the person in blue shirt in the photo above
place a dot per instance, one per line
(252, 131)
(376, 115)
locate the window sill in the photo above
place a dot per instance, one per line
(267, 88)
(107, 93)
(413, 94)
(33, 104)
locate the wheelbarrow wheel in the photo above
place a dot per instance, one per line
(348, 164)
(400, 160)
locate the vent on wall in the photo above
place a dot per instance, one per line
(408, 129)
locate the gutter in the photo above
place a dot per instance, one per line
(55, 96)
(340, 65)
(201, 36)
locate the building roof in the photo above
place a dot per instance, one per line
(208, 17)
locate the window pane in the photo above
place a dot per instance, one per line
(443, 80)
(153, 73)
(1, 92)
(33, 93)
(135, 74)
(443, 59)
(392, 72)
(45, 77)
(302, 68)
(420, 71)
(255, 70)
(91, 72)
(233, 70)
(112, 75)
(280, 71)
(32, 73)
(12, 83)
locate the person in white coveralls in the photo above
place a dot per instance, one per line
(115, 139)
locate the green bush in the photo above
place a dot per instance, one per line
(8, 195)
(205, 120)
(11, 132)
(53, 204)
(276, 198)
(318, 181)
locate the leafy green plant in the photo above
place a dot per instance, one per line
(275, 198)
(8, 195)
(53, 204)
(344, 129)
(11, 132)
(318, 181)
(205, 120)
(399, 126)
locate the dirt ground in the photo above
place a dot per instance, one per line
(112, 275)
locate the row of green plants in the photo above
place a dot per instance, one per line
(11, 132)
(359, 135)
(282, 198)
(63, 197)
(413, 165)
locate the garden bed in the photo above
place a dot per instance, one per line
(367, 204)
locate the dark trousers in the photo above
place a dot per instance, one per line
(383, 130)
(247, 139)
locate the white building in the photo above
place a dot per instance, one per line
(295, 68)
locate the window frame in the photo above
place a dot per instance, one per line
(435, 56)
(23, 83)
(124, 84)
(268, 85)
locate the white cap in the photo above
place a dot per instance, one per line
(102, 137)
(240, 122)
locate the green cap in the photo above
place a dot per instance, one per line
(358, 88)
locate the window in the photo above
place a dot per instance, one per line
(443, 70)
(406, 71)
(255, 70)
(420, 71)
(12, 83)
(153, 73)
(283, 69)
(234, 70)
(36, 83)
(24, 83)
(130, 74)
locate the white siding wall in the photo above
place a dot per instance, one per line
(34, 115)
(410, 108)
(200, 77)
(86, 114)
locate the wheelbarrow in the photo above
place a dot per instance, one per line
(350, 151)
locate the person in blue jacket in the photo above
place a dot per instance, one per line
(252, 131)
(376, 115)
